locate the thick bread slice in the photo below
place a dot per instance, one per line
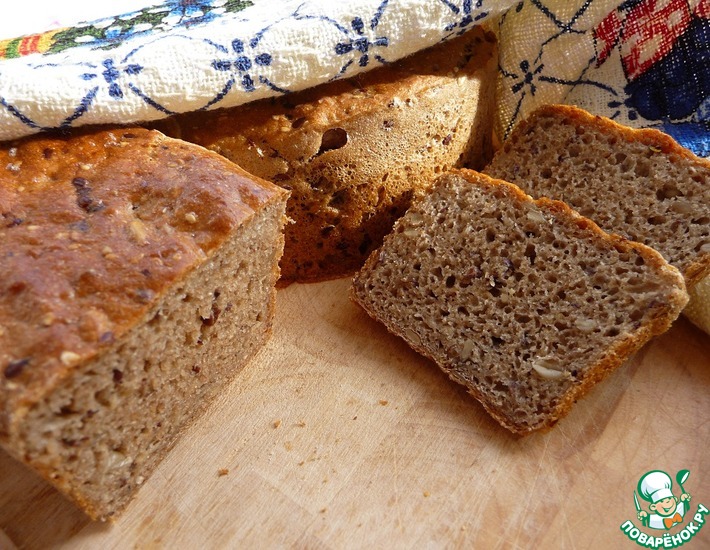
(637, 183)
(137, 277)
(525, 302)
(353, 152)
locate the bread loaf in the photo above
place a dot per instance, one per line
(353, 152)
(638, 183)
(526, 303)
(137, 277)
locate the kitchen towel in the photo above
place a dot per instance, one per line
(641, 62)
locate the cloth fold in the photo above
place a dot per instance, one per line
(185, 56)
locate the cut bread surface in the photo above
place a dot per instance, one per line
(526, 303)
(638, 183)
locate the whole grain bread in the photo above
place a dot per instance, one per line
(526, 303)
(137, 277)
(353, 152)
(638, 183)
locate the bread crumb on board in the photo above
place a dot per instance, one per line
(222, 472)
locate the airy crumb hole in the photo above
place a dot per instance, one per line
(335, 138)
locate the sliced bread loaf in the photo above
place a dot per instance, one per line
(137, 276)
(638, 183)
(353, 152)
(526, 303)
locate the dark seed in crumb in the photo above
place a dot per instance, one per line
(12, 220)
(117, 376)
(14, 368)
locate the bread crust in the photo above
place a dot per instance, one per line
(84, 208)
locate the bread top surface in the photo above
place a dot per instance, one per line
(95, 227)
(639, 183)
(294, 124)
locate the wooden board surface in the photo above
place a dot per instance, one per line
(339, 436)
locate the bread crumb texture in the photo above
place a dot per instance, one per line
(524, 302)
(637, 183)
(137, 274)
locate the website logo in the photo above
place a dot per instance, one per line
(667, 520)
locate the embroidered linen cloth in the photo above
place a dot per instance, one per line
(645, 63)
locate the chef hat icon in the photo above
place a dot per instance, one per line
(655, 485)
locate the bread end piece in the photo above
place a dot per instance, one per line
(138, 286)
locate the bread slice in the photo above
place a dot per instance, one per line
(526, 303)
(353, 152)
(137, 277)
(698, 309)
(638, 183)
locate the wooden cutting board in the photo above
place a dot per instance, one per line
(339, 436)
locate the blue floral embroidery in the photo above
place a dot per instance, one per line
(242, 65)
(532, 72)
(362, 44)
(528, 77)
(356, 40)
(466, 11)
(111, 75)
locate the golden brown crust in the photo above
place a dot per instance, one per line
(353, 152)
(116, 217)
